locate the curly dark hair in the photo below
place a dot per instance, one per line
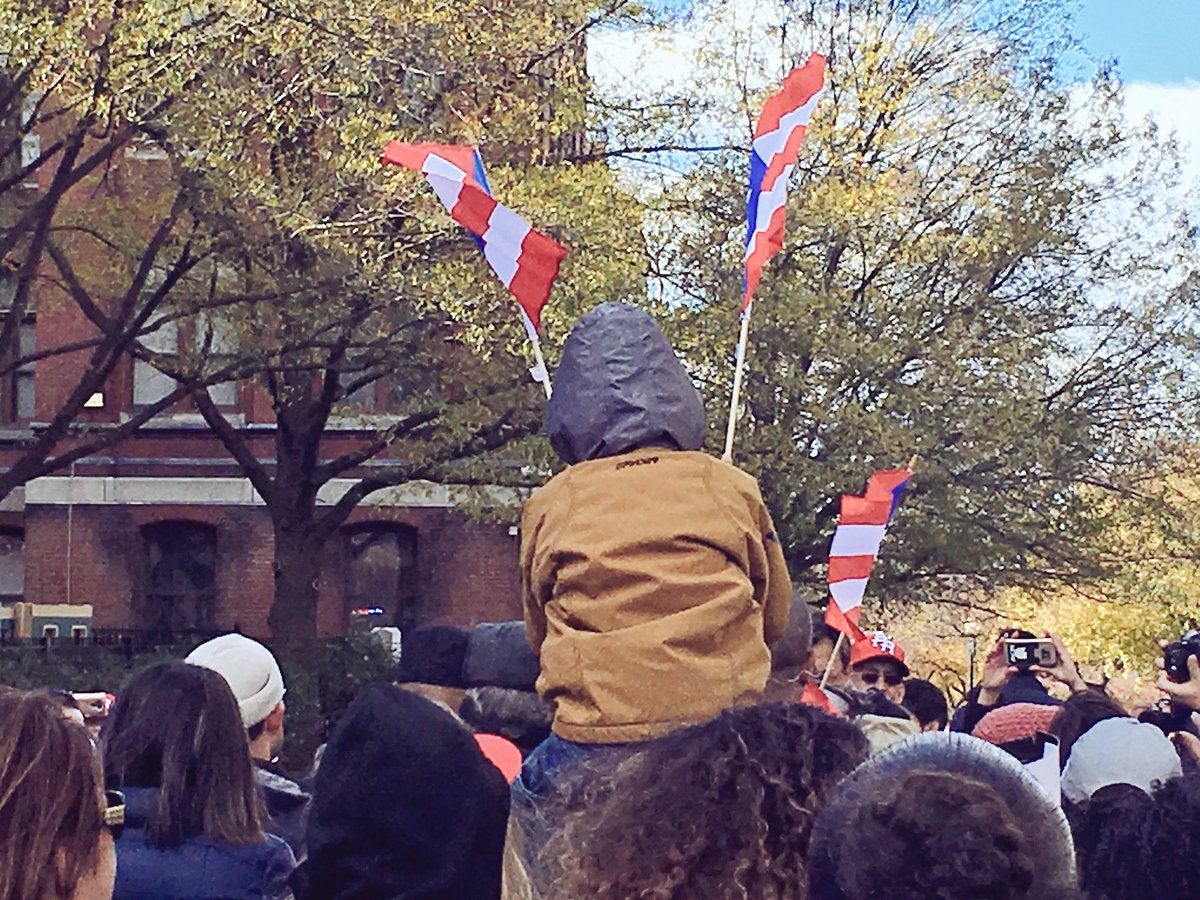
(1132, 845)
(1079, 713)
(936, 836)
(718, 810)
(925, 701)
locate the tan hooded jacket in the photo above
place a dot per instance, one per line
(652, 577)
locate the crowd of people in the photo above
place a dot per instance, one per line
(709, 736)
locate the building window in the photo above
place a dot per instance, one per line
(218, 341)
(362, 398)
(21, 406)
(144, 148)
(149, 384)
(381, 571)
(12, 566)
(49, 631)
(214, 340)
(17, 389)
(180, 578)
(79, 633)
(31, 143)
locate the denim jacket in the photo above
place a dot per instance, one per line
(197, 869)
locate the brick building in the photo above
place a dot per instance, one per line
(162, 532)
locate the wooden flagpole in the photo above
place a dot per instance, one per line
(837, 646)
(541, 364)
(539, 360)
(739, 368)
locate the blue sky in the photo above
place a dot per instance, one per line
(1152, 40)
(1157, 47)
(1156, 44)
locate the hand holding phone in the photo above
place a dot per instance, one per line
(1024, 653)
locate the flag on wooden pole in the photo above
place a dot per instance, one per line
(525, 260)
(861, 526)
(773, 153)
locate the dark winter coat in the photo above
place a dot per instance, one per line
(1022, 687)
(405, 807)
(198, 869)
(287, 804)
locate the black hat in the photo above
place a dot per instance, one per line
(404, 806)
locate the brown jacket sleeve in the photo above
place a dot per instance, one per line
(773, 585)
(532, 602)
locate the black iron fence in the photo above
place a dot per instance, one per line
(126, 641)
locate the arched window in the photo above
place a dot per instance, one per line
(180, 579)
(381, 572)
(12, 565)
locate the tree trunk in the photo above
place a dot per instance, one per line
(297, 566)
(293, 505)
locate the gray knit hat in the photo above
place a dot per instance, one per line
(1045, 825)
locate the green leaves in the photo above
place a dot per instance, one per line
(959, 281)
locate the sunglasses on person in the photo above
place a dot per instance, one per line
(870, 678)
(114, 813)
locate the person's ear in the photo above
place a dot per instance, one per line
(274, 720)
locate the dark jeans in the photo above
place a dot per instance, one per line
(551, 784)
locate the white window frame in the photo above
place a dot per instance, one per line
(31, 141)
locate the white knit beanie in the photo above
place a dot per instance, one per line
(1119, 751)
(249, 668)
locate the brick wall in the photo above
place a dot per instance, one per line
(467, 571)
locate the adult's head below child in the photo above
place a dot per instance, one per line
(718, 810)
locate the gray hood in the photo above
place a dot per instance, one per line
(620, 387)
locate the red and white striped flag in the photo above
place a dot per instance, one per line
(861, 526)
(777, 138)
(525, 260)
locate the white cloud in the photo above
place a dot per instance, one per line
(713, 58)
(736, 37)
(1175, 108)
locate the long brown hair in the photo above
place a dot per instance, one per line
(176, 727)
(50, 797)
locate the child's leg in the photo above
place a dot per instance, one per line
(551, 784)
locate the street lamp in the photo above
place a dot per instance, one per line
(972, 629)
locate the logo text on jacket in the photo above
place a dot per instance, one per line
(637, 462)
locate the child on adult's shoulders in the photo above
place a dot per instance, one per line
(652, 576)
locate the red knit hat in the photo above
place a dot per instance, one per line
(1015, 721)
(877, 645)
